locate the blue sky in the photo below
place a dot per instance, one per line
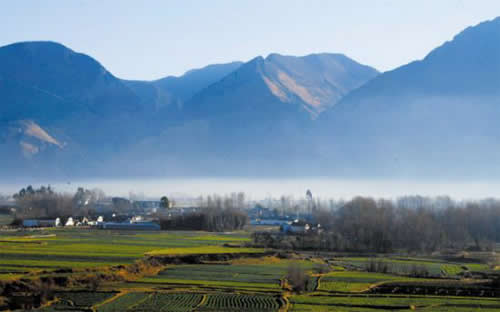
(153, 39)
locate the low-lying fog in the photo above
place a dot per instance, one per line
(264, 188)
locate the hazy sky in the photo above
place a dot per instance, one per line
(151, 39)
(263, 188)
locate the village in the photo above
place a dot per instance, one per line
(119, 213)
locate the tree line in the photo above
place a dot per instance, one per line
(216, 214)
(415, 224)
(367, 224)
(45, 203)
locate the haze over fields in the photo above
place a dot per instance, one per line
(64, 116)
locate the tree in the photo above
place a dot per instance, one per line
(42, 203)
(164, 202)
(84, 200)
(297, 277)
(310, 202)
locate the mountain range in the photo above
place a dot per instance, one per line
(434, 116)
(62, 114)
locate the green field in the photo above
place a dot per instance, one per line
(250, 281)
(177, 302)
(377, 302)
(353, 281)
(179, 251)
(404, 266)
(123, 302)
(262, 275)
(26, 251)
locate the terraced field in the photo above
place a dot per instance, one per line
(168, 302)
(177, 302)
(353, 281)
(123, 302)
(263, 276)
(255, 283)
(228, 302)
(381, 303)
(405, 266)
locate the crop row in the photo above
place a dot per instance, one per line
(124, 302)
(169, 302)
(266, 275)
(191, 301)
(230, 302)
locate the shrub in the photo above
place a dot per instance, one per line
(297, 277)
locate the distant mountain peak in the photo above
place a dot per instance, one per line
(318, 81)
(432, 115)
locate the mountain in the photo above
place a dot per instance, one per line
(47, 80)
(307, 85)
(195, 80)
(64, 114)
(436, 116)
(171, 92)
(244, 123)
(50, 95)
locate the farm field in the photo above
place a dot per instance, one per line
(378, 303)
(31, 251)
(254, 280)
(400, 265)
(158, 301)
(258, 275)
(349, 281)
(77, 301)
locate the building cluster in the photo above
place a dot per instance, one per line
(288, 224)
(63, 222)
(132, 223)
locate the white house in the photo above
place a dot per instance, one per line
(69, 222)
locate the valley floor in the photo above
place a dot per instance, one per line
(98, 270)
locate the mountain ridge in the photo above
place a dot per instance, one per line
(316, 114)
(423, 117)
